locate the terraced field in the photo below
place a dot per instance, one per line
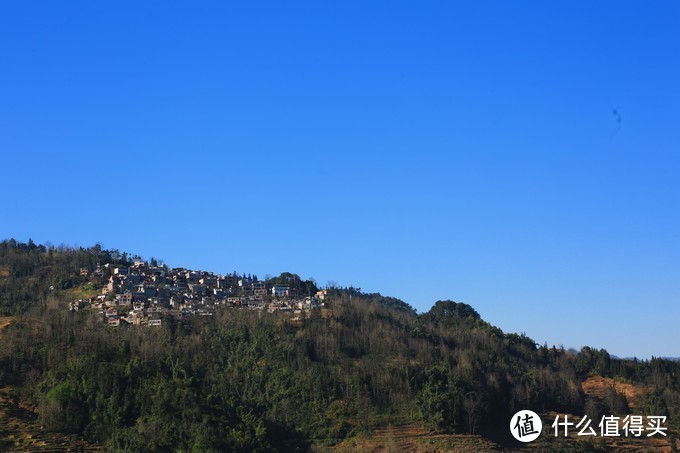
(20, 430)
(414, 438)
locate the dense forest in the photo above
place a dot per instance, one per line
(246, 381)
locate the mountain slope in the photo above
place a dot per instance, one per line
(245, 379)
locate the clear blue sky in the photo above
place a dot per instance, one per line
(522, 157)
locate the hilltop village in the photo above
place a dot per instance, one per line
(142, 294)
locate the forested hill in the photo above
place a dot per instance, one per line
(242, 379)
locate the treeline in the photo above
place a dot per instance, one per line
(30, 272)
(243, 380)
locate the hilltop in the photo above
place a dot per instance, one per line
(300, 367)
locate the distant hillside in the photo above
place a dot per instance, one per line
(245, 378)
(672, 359)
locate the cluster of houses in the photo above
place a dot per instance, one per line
(142, 295)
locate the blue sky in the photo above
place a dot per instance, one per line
(520, 157)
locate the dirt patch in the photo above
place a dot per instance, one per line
(4, 322)
(597, 386)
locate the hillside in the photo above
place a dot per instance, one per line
(348, 370)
